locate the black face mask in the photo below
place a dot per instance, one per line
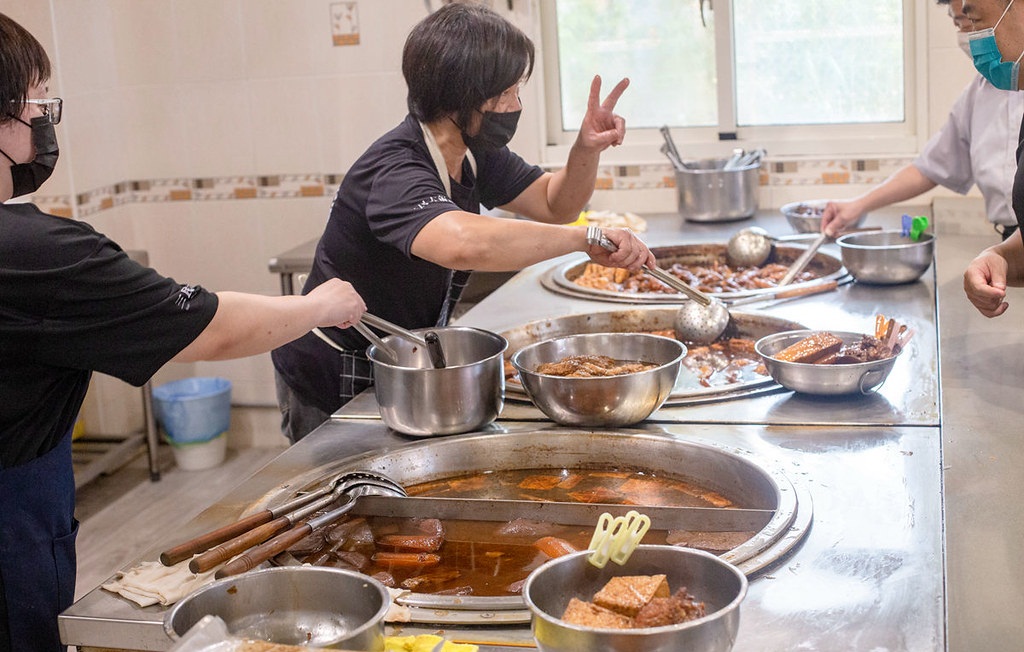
(496, 129)
(27, 177)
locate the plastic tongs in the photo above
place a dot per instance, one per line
(913, 227)
(616, 538)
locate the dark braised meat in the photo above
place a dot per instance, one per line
(592, 366)
(679, 608)
(868, 349)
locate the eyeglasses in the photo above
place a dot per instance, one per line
(51, 108)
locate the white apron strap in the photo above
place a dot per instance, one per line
(439, 164)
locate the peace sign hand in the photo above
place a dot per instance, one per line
(602, 127)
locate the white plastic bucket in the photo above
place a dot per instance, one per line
(197, 456)
(193, 409)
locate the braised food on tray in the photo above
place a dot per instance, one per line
(726, 361)
(487, 558)
(592, 366)
(714, 277)
(632, 602)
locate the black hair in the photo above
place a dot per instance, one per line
(23, 64)
(459, 57)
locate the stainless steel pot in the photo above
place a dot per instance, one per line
(717, 583)
(707, 193)
(292, 605)
(467, 394)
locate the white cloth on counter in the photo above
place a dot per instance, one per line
(152, 583)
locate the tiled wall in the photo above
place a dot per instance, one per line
(212, 133)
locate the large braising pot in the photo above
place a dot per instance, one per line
(417, 399)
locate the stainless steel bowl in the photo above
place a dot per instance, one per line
(467, 394)
(886, 257)
(608, 401)
(822, 379)
(805, 216)
(718, 584)
(292, 605)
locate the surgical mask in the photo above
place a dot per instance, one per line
(1004, 75)
(963, 39)
(28, 177)
(496, 129)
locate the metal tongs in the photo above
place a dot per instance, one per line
(429, 341)
(217, 546)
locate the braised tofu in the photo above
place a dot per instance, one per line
(588, 614)
(628, 594)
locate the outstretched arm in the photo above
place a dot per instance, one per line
(248, 324)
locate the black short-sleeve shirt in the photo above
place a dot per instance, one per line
(72, 302)
(388, 195)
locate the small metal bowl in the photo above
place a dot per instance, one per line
(291, 605)
(886, 257)
(821, 379)
(805, 216)
(607, 401)
(720, 585)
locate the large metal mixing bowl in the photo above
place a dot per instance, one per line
(886, 257)
(718, 584)
(292, 605)
(605, 401)
(466, 395)
(822, 379)
(805, 216)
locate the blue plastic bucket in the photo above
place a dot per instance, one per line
(193, 409)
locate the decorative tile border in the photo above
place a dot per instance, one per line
(810, 172)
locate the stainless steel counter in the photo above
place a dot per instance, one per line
(871, 574)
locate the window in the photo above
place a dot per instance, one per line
(798, 77)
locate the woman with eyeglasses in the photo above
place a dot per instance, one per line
(71, 302)
(997, 47)
(405, 227)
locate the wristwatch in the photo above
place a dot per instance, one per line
(596, 237)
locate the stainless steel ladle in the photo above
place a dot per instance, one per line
(701, 320)
(752, 246)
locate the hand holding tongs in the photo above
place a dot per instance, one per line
(430, 341)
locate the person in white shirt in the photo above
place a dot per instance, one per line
(976, 146)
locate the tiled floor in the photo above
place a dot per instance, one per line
(124, 516)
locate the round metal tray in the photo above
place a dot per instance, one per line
(688, 387)
(732, 472)
(561, 277)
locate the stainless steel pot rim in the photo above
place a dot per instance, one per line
(562, 275)
(848, 241)
(681, 353)
(451, 368)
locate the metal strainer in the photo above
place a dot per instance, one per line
(752, 246)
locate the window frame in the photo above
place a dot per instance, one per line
(642, 144)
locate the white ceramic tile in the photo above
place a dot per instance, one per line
(288, 223)
(142, 36)
(152, 133)
(284, 125)
(280, 37)
(353, 111)
(85, 43)
(227, 235)
(949, 72)
(216, 123)
(93, 138)
(34, 16)
(164, 230)
(210, 40)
